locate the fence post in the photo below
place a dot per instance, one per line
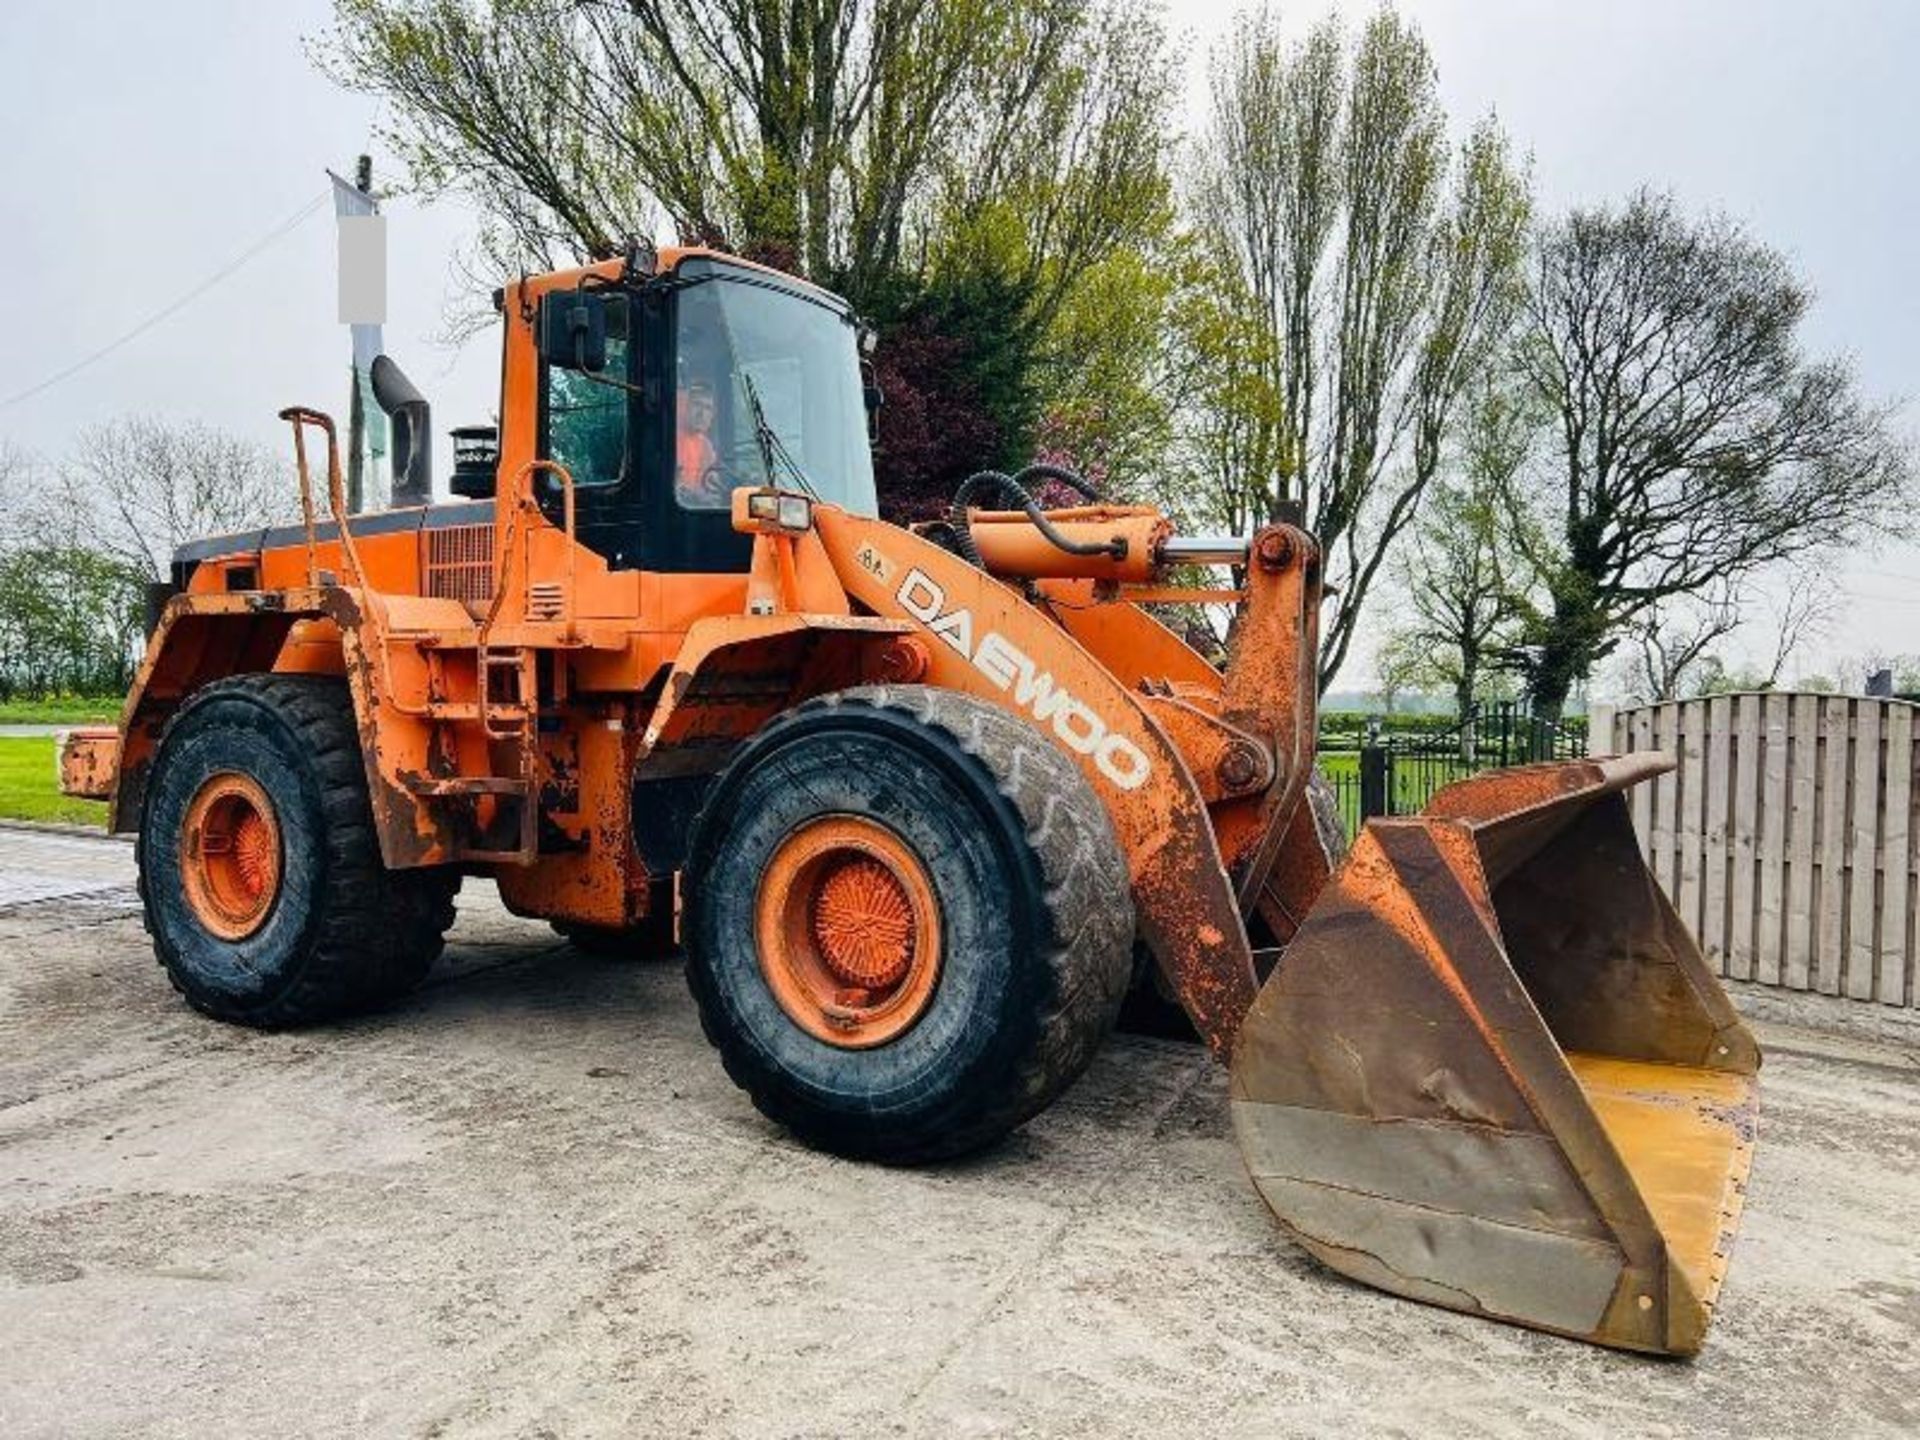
(1373, 773)
(1600, 729)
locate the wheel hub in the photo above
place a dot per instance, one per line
(863, 922)
(230, 858)
(848, 931)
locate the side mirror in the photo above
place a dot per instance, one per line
(573, 330)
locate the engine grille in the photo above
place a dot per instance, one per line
(460, 563)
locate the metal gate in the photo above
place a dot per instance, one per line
(1398, 774)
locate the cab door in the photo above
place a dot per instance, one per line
(615, 413)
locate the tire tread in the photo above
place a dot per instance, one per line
(379, 930)
(1087, 950)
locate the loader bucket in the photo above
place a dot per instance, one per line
(1493, 1072)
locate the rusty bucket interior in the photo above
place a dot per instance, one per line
(1493, 1072)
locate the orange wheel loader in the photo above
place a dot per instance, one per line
(926, 804)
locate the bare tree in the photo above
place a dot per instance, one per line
(1695, 443)
(68, 615)
(137, 488)
(1671, 645)
(1808, 608)
(17, 493)
(1383, 267)
(1677, 648)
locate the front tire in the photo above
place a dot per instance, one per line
(260, 870)
(908, 923)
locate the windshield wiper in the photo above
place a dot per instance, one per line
(770, 444)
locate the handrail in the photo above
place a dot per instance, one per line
(301, 416)
(521, 487)
(306, 491)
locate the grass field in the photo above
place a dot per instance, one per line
(60, 712)
(1338, 765)
(30, 789)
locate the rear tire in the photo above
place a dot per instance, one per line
(327, 930)
(651, 939)
(1007, 849)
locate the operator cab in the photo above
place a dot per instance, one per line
(663, 394)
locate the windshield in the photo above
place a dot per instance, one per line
(749, 353)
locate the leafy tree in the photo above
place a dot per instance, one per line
(1230, 424)
(79, 542)
(69, 618)
(1461, 590)
(1401, 665)
(1695, 444)
(1905, 668)
(1381, 265)
(957, 373)
(1108, 371)
(1464, 578)
(908, 153)
(1059, 170)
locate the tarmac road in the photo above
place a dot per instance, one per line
(528, 1202)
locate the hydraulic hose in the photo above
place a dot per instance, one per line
(1014, 486)
(1041, 470)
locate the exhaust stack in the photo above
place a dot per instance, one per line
(407, 408)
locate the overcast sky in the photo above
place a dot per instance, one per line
(151, 144)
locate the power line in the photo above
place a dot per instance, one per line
(278, 231)
(1869, 598)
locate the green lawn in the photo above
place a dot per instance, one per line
(69, 710)
(1338, 765)
(30, 785)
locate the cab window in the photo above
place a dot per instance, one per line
(767, 391)
(586, 417)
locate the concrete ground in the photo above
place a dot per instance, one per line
(529, 1203)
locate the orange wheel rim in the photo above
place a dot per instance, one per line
(848, 932)
(230, 856)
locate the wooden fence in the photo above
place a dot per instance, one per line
(1786, 839)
